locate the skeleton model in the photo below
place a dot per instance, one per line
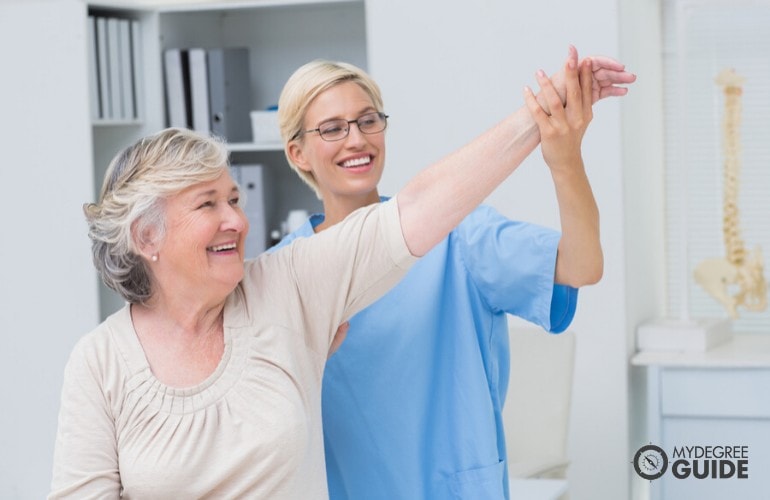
(738, 279)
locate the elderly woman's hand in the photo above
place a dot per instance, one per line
(608, 77)
(608, 74)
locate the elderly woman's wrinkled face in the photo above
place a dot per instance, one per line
(203, 248)
(348, 167)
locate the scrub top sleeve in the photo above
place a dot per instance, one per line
(563, 305)
(512, 264)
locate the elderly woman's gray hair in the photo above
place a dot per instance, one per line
(131, 204)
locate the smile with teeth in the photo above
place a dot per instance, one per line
(221, 248)
(356, 162)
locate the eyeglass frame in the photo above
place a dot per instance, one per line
(382, 115)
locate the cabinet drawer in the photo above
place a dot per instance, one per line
(753, 434)
(715, 392)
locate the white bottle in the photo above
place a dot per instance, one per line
(295, 220)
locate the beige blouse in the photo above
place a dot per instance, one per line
(253, 428)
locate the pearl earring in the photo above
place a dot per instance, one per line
(154, 257)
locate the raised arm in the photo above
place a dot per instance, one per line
(439, 197)
(579, 260)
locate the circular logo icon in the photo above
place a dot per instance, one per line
(650, 462)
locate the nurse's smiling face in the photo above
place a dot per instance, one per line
(346, 168)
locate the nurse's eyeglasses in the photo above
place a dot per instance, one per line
(336, 130)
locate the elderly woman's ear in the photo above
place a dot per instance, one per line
(146, 239)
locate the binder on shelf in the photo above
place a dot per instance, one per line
(177, 87)
(229, 93)
(199, 91)
(102, 55)
(137, 65)
(126, 70)
(93, 71)
(113, 63)
(251, 180)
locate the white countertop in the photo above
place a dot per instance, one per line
(743, 351)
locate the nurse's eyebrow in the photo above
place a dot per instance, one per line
(366, 110)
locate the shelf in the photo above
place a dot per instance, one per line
(112, 123)
(743, 351)
(247, 147)
(201, 5)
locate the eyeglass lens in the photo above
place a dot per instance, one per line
(338, 129)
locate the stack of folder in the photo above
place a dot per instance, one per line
(208, 90)
(114, 68)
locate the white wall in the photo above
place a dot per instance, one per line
(47, 282)
(449, 70)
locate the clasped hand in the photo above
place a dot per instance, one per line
(563, 109)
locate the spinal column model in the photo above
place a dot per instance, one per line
(738, 279)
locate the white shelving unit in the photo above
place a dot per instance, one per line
(246, 147)
(280, 36)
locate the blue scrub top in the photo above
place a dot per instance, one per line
(412, 400)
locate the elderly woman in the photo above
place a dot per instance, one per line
(208, 382)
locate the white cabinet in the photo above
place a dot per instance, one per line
(280, 37)
(719, 399)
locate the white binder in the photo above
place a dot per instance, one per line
(199, 91)
(93, 71)
(102, 55)
(176, 89)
